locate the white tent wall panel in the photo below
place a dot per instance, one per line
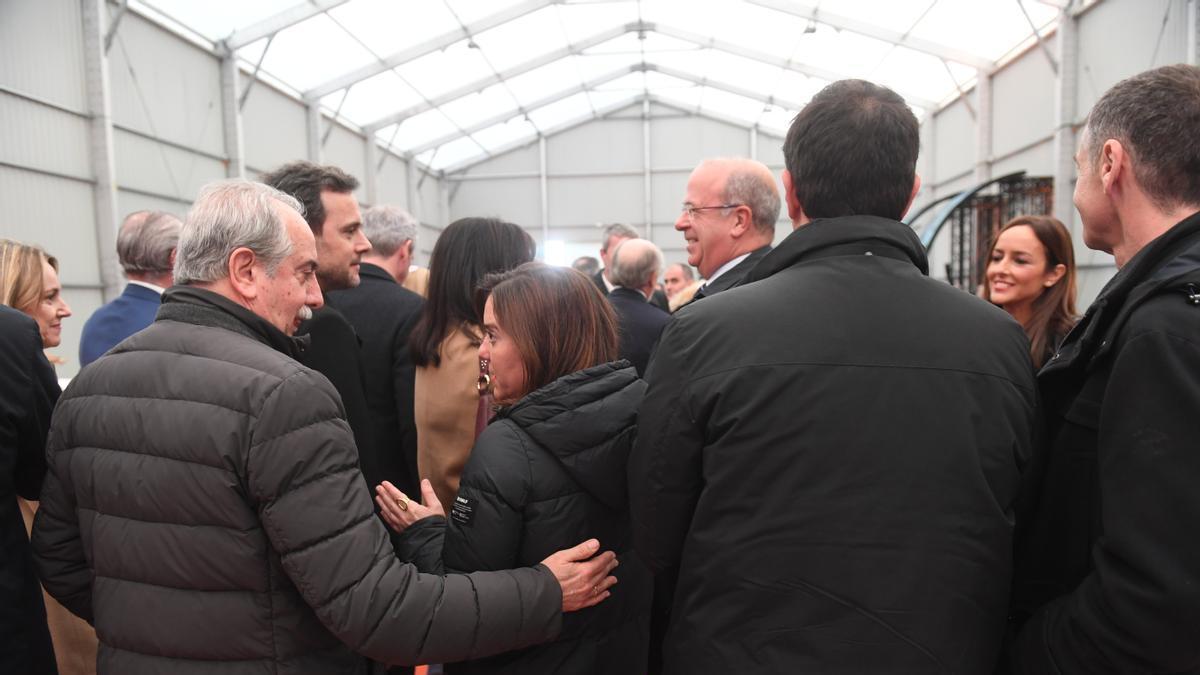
(770, 151)
(430, 201)
(954, 145)
(392, 180)
(129, 201)
(1035, 160)
(668, 189)
(516, 200)
(604, 199)
(41, 50)
(681, 142)
(273, 128)
(1022, 98)
(43, 138)
(605, 145)
(146, 165)
(174, 91)
(1118, 38)
(56, 214)
(346, 149)
(523, 159)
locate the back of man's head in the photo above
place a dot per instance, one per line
(306, 181)
(229, 215)
(853, 151)
(388, 228)
(1155, 116)
(635, 264)
(145, 242)
(614, 234)
(586, 264)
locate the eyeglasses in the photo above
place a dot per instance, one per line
(692, 210)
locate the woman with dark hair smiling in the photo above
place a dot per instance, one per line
(1031, 275)
(448, 408)
(549, 469)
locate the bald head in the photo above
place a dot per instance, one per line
(749, 182)
(636, 264)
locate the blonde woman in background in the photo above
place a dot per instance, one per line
(29, 283)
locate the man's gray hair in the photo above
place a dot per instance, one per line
(146, 240)
(617, 230)
(229, 215)
(754, 190)
(633, 268)
(685, 269)
(387, 228)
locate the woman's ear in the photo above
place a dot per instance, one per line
(1053, 275)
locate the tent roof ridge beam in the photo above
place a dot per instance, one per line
(540, 103)
(871, 30)
(273, 24)
(729, 87)
(428, 47)
(779, 62)
(508, 74)
(556, 129)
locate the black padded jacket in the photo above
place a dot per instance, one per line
(547, 473)
(205, 510)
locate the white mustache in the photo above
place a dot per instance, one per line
(305, 313)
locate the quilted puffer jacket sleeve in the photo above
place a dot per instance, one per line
(486, 520)
(57, 544)
(302, 472)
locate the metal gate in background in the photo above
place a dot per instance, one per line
(975, 215)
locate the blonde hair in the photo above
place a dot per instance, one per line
(21, 274)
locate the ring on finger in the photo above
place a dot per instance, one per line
(402, 504)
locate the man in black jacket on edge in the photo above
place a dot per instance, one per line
(383, 313)
(830, 451)
(1108, 568)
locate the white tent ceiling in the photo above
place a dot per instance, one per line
(456, 81)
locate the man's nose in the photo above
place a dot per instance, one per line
(361, 243)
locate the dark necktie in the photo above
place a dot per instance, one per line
(700, 292)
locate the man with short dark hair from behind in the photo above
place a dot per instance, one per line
(383, 314)
(587, 264)
(830, 451)
(146, 249)
(203, 506)
(635, 265)
(1108, 570)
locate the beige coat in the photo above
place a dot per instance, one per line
(75, 642)
(446, 404)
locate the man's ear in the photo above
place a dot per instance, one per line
(1111, 167)
(795, 210)
(244, 273)
(912, 195)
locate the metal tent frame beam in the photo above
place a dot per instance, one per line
(769, 59)
(588, 86)
(428, 47)
(273, 24)
(725, 86)
(596, 114)
(868, 29)
(481, 84)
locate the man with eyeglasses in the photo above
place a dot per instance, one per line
(728, 220)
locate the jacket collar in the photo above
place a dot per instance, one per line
(849, 235)
(202, 307)
(738, 274)
(366, 269)
(621, 291)
(1170, 262)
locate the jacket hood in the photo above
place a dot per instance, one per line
(849, 235)
(588, 421)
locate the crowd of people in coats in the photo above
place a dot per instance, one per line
(277, 458)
